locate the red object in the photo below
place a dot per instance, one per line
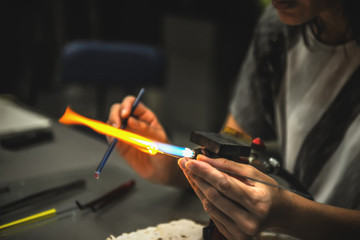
(258, 144)
(97, 175)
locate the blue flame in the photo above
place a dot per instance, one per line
(175, 150)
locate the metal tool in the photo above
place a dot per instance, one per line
(235, 146)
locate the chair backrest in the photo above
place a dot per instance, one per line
(113, 63)
(106, 65)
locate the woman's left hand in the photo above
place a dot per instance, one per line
(239, 207)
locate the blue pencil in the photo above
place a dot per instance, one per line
(115, 140)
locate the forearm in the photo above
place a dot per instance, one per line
(307, 219)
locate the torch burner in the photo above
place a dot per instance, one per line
(234, 146)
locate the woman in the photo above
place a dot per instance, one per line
(299, 85)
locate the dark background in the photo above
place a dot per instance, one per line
(204, 42)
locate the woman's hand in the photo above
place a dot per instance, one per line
(143, 122)
(156, 168)
(239, 207)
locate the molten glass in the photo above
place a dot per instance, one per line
(141, 143)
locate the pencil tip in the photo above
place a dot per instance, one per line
(97, 175)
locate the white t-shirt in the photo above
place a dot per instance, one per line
(307, 97)
(315, 74)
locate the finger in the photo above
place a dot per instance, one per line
(225, 224)
(238, 169)
(249, 172)
(231, 166)
(182, 162)
(122, 110)
(126, 106)
(135, 124)
(146, 115)
(140, 111)
(216, 213)
(118, 112)
(146, 130)
(213, 200)
(114, 115)
(229, 186)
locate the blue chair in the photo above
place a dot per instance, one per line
(112, 64)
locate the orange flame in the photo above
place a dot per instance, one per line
(142, 143)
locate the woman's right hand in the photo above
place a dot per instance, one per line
(158, 168)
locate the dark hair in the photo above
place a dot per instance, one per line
(351, 13)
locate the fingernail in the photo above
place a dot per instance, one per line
(182, 162)
(200, 157)
(123, 112)
(115, 125)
